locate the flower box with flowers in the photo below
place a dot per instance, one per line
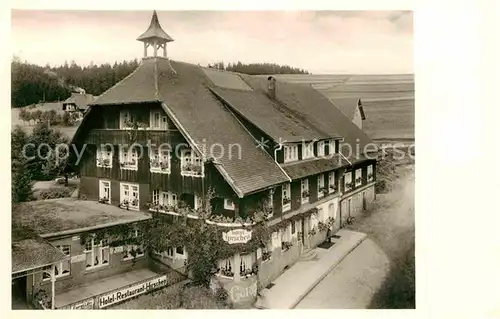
(305, 194)
(286, 200)
(286, 245)
(370, 177)
(333, 187)
(248, 272)
(192, 169)
(103, 162)
(349, 185)
(127, 204)
(157, 165)
(104, 200)
(226, 272)
(266, 255)
(129, 164)
(359, 180)
(323, 191)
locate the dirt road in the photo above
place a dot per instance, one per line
(360, 276)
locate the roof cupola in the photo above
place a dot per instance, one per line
(155, 37)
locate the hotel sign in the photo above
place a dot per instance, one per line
(80, 305)
(237, 236)
(131, 291)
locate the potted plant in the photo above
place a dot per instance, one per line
(286, 200)
(305, 194)
(103, 200)
(266, 255)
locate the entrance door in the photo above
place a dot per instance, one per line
(19, 291)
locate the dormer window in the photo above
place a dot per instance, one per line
(321, 148)
(332, 147)
(291, 153)
(307, 150)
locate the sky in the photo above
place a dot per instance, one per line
(320, 42)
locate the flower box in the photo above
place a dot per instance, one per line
(286, 200)
(103, 162)
(266, 255)
(104, 200)
(286, 245)
(192, 169)
(305, 194)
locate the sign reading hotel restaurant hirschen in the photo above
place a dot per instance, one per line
(237, 236)
(132, 291)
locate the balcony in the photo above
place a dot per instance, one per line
(117, 136)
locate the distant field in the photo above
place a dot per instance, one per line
(68, 131)
(388, 99)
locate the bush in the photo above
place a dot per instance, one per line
(55, 193)
(221, 295)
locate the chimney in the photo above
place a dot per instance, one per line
(271, 89)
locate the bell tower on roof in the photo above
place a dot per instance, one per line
(155, 37)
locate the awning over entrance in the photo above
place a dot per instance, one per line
(31, 253)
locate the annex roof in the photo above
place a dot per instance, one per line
(30, 251)
(59, 216)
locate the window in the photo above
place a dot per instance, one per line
(321, 186)
(269, 203)
(63, 268)
(158, 120)
(291, 153)
(96, 253)
(359, 179)
(228, 204)
(332, 146)
(304, 190)
(285, 198)
(246, 264)
(307, 150)
(155, 198)
(286, 235)
(104, 192)
(170, 252)
(321, 148)
(192, 164)
(125, 119)
(133, 251)
(129, 196)
(370, 173)
(128, 158)
(226, 268)
(179, 250)
(275, 240)
(294, 228)
(104, 156)
(168, 199)
(332, 185)
(348, 181)
(159, 160)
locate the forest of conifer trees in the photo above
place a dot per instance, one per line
(32, 83)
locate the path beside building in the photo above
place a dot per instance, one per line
(295, 283)
(352, 284)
